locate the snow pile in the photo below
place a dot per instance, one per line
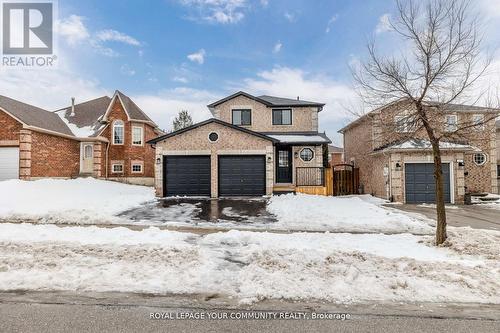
(81, 200)
(251, 266)
(350, 214)
(80, 132)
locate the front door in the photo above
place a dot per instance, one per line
(88, 158)
(284, 164)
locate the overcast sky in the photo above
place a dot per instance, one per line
(171, 55)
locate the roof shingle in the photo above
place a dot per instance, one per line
(34, 116)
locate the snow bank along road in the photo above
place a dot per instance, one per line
(251, 266)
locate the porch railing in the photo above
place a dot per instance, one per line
(310, 176)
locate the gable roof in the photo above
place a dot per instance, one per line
(334, 149)
(208, 121)
(269, 101)
(445, 108)
(421, 144)
(34, 116)
(85, 120)
(133, 111)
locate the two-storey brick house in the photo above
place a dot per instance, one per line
(103, 138)
(253, 146)
(395, 158)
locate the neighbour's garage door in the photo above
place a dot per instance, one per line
(186, 175)
(9, 163)
(242, 175)
(419, 183)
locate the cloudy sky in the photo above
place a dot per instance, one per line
(170, 55)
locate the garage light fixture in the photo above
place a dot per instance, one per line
(269, 159)
(158, 160)
(398, 166)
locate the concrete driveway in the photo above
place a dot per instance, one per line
(474, 216)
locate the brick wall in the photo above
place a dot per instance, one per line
(378, 129)
(303, 118)
(54, 156)
(9, 130)
(127, 153)
(231, 142)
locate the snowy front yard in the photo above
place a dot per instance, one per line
(252, 266)
(81, 200)
(91, 201)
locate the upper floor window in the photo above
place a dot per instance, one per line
(402, 124)
(118, 132)
(451, 124)
(242, 117)
(478, 121)
(137, 135)
(282, 116)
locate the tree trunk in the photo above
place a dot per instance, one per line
(440, 207)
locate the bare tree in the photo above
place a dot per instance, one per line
(441, 62)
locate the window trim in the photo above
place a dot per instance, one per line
(446, 123)
(117, 164)
(312, 157)
(478, 127)
(281, 110)
(134, 163)
(142, 135)
(213, 132)
(485, 158)
(118, 123)
(241, 109)
(403, 127)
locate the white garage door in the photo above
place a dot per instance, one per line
(9, 163)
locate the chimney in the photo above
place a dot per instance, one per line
(298, 97)
(72, 107)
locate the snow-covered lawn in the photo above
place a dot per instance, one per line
(91, 201)
(251, 266)
(82, 200)
(350, 214)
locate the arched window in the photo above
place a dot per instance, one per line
(118, 132)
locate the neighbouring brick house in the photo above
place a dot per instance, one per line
(104, 138)
(396, 161)
(253, 146)
(336, 155)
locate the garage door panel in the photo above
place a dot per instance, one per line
(9, 163)
(187, 175)
(242, 175)
(420, 184)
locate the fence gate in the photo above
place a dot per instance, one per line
(345, 179)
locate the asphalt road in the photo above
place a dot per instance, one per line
(124, 313)
(473, 216)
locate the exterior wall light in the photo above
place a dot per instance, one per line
(296, 154)
(269, 159)
(158, 160)
(398, 165)
(461, 163)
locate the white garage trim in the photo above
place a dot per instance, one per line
(9, 163)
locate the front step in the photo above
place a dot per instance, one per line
(284, 189)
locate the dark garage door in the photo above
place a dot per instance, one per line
(242, 175)
(419, 183)
(186, 175)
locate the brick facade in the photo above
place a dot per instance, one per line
(126, 153)
(54, 156)
(303, 118)
(230, 142)
(9, 130)
(378, 129)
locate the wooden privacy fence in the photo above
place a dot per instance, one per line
(341, 179)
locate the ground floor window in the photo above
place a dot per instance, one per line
(117, 168)
(306, 154)
(136, 168)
